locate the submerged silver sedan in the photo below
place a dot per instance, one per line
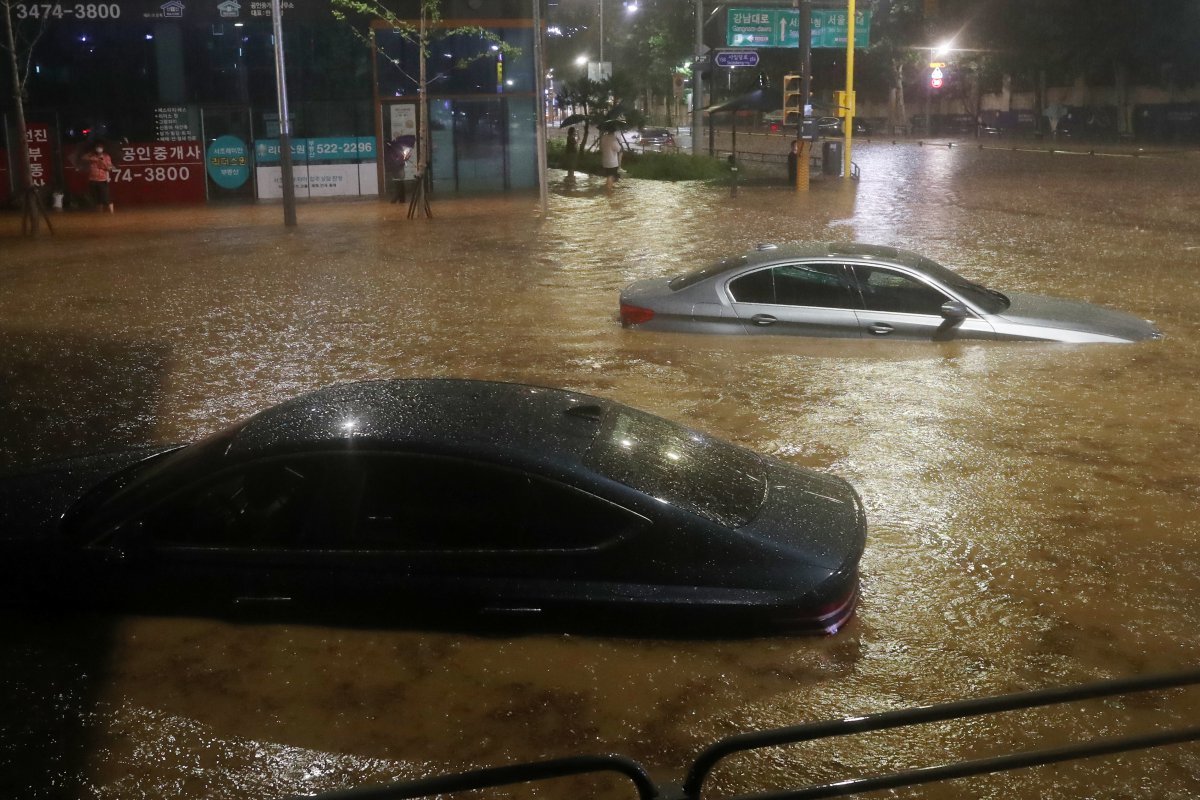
(861, 290)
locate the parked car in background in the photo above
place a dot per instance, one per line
(825, 126)
(393, 501)
(861, 290)
(656, 139)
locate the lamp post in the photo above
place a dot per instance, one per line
(934, 52)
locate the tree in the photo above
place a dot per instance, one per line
(900, 31)
(427, 29)
(19, 41)
(599, 104)
(646, 45)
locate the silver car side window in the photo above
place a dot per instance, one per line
(816, 285)
(888, 290)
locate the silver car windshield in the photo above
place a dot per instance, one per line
(716, 480)
(989, 300)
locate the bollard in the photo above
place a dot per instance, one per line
(733, 172)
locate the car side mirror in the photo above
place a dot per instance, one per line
(954, 310)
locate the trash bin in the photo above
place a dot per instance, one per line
(831, 158)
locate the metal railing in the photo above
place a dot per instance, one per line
(704, 764)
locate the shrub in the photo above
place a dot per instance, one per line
(651, 165)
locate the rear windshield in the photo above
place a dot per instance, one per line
(687, 469)
(684, 281)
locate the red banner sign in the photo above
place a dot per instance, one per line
(41, 154)
(5, 179)
(151, 172)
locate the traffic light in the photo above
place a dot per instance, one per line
(793, 103)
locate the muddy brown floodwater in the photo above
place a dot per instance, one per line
(1033, 509)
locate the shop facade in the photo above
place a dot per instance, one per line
(183, 95)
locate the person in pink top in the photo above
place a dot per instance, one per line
(100, 168)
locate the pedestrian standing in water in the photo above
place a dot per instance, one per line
(572, 153)
(610, 157)
(793, 162)
(100, 169)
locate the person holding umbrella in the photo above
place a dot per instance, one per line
(100, 168)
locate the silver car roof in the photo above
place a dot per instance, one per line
(767, 253)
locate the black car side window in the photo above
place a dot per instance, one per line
(888, 290)
(816, 285)
(431, 504)
(262, 505)
(812, 285)
(757, 287)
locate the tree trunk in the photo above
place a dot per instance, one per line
(25, 171)
(1121, 99)
(899, 112)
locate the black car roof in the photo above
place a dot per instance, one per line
(446, 413)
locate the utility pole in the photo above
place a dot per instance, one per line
(849, 114)
(285, 125)
(805, 36)
(539, 89)
(697, 81)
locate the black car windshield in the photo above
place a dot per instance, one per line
(989, 300)
(691, 278)
(686, 469)
(151, 479)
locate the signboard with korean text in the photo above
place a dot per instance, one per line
(227, 162)
(330, 166)
(201, 11)
(780, 27)
(146, 173)
(176, 124)
(737, 58)
(41, 154)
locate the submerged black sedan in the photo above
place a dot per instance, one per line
(394, 501)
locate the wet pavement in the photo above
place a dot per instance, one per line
(1033, 509)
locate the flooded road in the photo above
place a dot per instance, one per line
(1033, 509)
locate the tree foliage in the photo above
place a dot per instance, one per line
(646, 46)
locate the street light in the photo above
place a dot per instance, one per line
(943, 49)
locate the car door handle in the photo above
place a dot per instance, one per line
(763, 319)
(257, 600)
(880, 328)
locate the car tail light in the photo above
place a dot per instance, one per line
(635, 315)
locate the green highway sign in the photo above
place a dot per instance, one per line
(780, 27)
